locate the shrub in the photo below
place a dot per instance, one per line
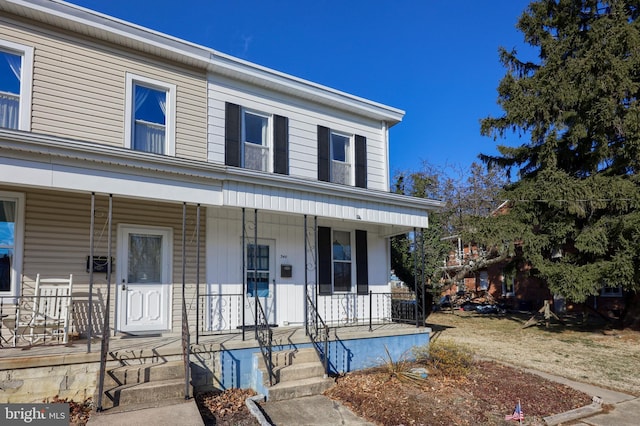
(446, 357)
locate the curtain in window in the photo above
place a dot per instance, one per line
(255, 156)
(149, 137)
(340, 172)
(10, 102)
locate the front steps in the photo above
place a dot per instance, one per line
(298, 373)
(131, 387)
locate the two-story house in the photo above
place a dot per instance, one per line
(204, 180)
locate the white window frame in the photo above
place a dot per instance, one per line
(348, 160)
(268, 142)
(170, 112)
(352, 261)
(18, 243)
(26, 80)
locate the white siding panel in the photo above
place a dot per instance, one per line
(57, 232)
(236, 194)
(304, 117)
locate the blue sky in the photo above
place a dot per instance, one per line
(436, 60)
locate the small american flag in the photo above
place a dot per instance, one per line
(517, 414)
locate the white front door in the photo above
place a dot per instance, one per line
(260, 281)
(144, 284)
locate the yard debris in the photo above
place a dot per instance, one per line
(226, 407)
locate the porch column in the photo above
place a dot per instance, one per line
(415, 271)
(255, 272)
(91, 231)
(198, 274)
(423, 278)
(244, 273)
(306, 279)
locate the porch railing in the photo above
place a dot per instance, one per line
(220, 313)
(318, 332)
(264, 335)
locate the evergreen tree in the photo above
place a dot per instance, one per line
(574, 208)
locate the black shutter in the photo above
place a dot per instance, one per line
(325, 259)
(232, 132)
(281, 145)
(362, 262)
(361, 161)
(323, 153)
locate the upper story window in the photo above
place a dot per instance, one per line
(150, 115)
(255, 130)
(256, 140)
(16, 64)
(340, 159)
(11, 236)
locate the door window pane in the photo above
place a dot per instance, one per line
(258, 270)
(145, 258)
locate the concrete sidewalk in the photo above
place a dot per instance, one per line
(316, 410)
(182, 414)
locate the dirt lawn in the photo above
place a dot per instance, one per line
(585, 353)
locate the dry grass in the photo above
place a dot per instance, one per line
(588, 354)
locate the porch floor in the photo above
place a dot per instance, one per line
(170, 345)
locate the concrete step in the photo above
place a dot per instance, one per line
(299, 371)
(142, 393)
(289, 357)
(143, 373)
(298, 388)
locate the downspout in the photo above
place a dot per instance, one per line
(385, 139)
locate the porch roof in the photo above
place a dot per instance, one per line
(69, 164)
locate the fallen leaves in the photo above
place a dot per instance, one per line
(226, 407)
(484, 397)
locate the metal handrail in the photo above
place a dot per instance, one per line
(315, 323)
(264, 335)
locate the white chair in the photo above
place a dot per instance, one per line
(45, 316)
